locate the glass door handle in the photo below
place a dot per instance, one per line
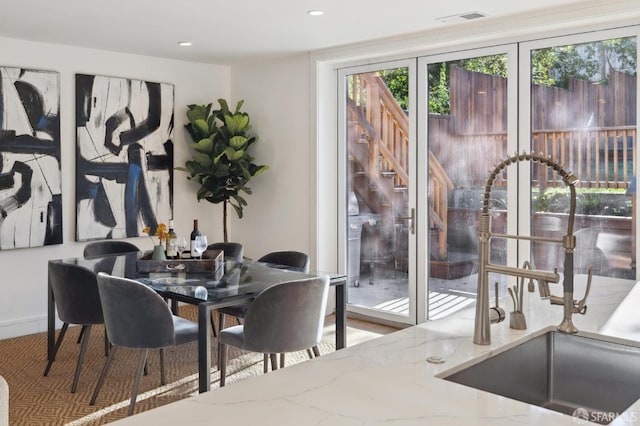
(412, 221)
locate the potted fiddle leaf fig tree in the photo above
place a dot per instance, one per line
(221, 163)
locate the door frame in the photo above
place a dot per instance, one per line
(342, 162)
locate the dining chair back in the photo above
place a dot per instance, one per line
(233, 251)
(107, 247)
(136, 317)
(293, 259)
(77, 301)
(286, 317)
(290, 259)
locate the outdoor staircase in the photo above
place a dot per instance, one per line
(378, 149)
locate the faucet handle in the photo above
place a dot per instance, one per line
(496, 313)
(580, 307)
(577, 306)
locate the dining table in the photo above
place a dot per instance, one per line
(233, 283)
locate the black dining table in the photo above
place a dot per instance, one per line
(233, 283)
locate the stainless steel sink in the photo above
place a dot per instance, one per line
(562, 372)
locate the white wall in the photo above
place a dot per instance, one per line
(278, 215)
(24, 271)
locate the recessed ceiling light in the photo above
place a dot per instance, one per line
(315, 12)
(184, 43)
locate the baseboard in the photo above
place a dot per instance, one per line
(23, 326)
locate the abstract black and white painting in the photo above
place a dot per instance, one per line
(124, 156)
(30, 178)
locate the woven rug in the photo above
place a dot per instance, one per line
(38, 400)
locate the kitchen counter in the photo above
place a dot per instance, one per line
(388, 380)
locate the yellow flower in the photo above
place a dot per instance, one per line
(161, 231)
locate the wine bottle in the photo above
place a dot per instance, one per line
(172, 242)
(195, 233)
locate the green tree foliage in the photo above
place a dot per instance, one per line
(588, 61)
(492, 65)
(397, 81)
(552, 66)
(439, 95)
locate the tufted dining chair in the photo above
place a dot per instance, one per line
(77, 301)
(136, 317)
(107, 247)
(286, 317)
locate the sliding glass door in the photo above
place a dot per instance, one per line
(378, 156)
(467, 126)
(414, 171)
(581, 95)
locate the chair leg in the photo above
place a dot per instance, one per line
(83, 350)
(105, 370)
(223, 351)
(163, 376)
(316, 351)
(282, 360)
(220, 320)
(219, 355)
(142, 362)
(81, 334)
(107, 345)
(63, 331)
(310, 353)
(274, 361)
(265, 361)
(213, 325)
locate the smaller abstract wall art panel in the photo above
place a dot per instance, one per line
(30, 177)
(124, 156)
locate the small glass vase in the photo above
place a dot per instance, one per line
(158, 253)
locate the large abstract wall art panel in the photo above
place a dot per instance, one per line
(30, 178)
(124, 156)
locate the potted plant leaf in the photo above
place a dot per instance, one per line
(221, 163)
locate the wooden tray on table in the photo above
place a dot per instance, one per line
(211, 261)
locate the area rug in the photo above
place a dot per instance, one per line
(38, 400)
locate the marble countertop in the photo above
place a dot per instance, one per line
(388, 380)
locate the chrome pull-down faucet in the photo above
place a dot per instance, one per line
(482, 332)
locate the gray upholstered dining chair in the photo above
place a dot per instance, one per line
(233, 251)
(107, 247)
(136, 317)
(286, 317)
(289, 259)
(77, 301)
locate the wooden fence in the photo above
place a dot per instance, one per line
(589, 128)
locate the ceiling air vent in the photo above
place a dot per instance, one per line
(461, 17)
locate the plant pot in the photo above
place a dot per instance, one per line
(158, 253)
